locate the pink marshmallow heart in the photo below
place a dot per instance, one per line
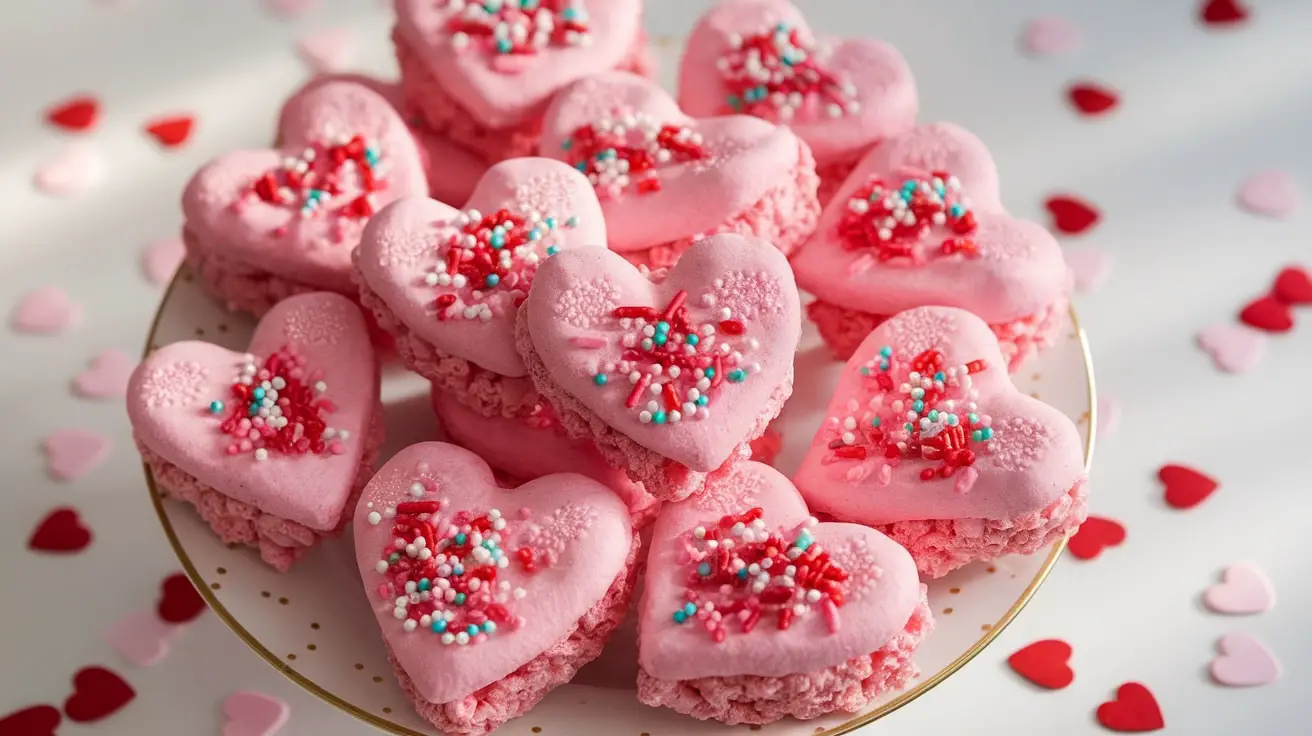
(869, 96)
(245, 206)
(328, 50)
(1050, 35)
(161, 259)
(79, 167)
(568, 541)
(142, 638)
(1234, 348)
(1244, 662)
(172, 395)
(729, 165)
(1243, 589)
(107, 377)
(253, 714)
(72, 453)
(1090, 267)
(46, 310)
(1272, 193)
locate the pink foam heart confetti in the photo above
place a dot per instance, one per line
(1090, 267)
(161, 259)
(1109, 415)
(328, 50)
(1234, 348)
(287, 9)
(45, 310)
(74, 170)
(107, 377)
(72, 453)
(1272, 193)
(142, 638)
(253, 714)
(1050, 35)
(1244, 662)
(1244, 589)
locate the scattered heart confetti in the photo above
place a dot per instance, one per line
(74, 170)
(171, 131)
(61, 531)
(328, 50)
(72, 453)
(45, 310)
(1134, 710)
(1234, 348)
(76, 114)
(1185, 487)
(1044, 663)
(1222, 13)
(107, 377)
(1091, 98)
(1050, 35)
(253, 714)
(1268, 314)
(161, 259)
(141, 638)
(1243, 590)
(1272, 193)
(1071, 215)
(1095, 535)
(1090, 266)
(97, 694)
(179, 602)
(1293, 286)
(287, 9)
(1244, 662)
(1109, 415)
(36, 720)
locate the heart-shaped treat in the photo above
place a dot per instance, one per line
(269, 445)
(746, 594)
(919, 221)
(841, 96)
(489, 597)
(261, 225)
(647, 159)
(671, 377)
(929, 441)
(446, 282)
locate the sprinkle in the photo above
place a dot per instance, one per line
(508, 28)
(335, 178)
(275, 410)
(625, 153)
(777, 73)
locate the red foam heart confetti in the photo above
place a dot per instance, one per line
(1222, 12)
(37, 720)
(1185, 487)
(1044, 663)
(97, 693)
(1134, 710)
(77, 114)
(1071, 215)
(60, 532)
(172, 131)
(1293, 286)
(179, 602)
(1091, 98)
(1268, 314)
(1095, 535)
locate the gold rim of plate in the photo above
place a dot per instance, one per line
(202, 585)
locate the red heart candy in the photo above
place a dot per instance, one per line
(97, 693)
(1094, 536)
(1044, 663)
(60, 531)
(1133, 711)
(1185, 487)
(171, 132)
(180, 603)
(1091, 98)
(77, 114)
(37, 720)
(1223, 12)
(1071, 215)
(1268, 314)
(1293, 286)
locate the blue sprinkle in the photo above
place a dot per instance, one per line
(742, 573)
(569, 13)
(492, 279)
(680, 617)
(216, 406)
(472, 630)
(973, 417)
(371, 155)
(710, 373)
(458, 570)
(662, 326)
(886, 351)
(865, 370)
(534, 234)
(734, 103)
(737, 375)
(703, 400)
(661, 338)
(461, 538)
(581, 166)
(976, 435)
(567, 144)
(439, 626)
(692, 339)
(918, 406)
(939, 376)
(958, 210)
(259, 393)
(952, 420)
(253, 410)
(600, 379)
(498, 239)
(490, 627)
(987, 433)
(572, 222)
(424, 584)
(704, 569)
(503, 45)
(460, 599)
(690, 608)
(883, 365)
(933, 415)
(658, 417)
(552, 250)
(551, 223)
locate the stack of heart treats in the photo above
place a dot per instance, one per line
(603, 283)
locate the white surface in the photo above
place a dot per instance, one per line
(1201, 110)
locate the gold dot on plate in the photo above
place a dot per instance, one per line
(311, 647)
(1036, 377)
(387, 710)
(265, 594)
(292, 657)
(200, 332)
(754, 727)
(377, 678)
(536, 729)
(314, 626)
(214, 586)
(992, 569)
(1034, 395)
(283, 601)
(359, 666)
(986, 627)
(954, 591)
(947, 611)
(221, 570)
(223, 327)
(187, 277)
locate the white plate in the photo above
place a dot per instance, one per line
(315, 626)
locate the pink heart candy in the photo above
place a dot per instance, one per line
(1272, 193)
(79, 167)
(46, 310)
(142, 638)
(328, 50)
(1050, 35)
(107, 377)
(1244, 662)
(1090, 267)
(1244, 589)
(1234, 348)
(253, 714)
(161, 259)
(72, 453)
